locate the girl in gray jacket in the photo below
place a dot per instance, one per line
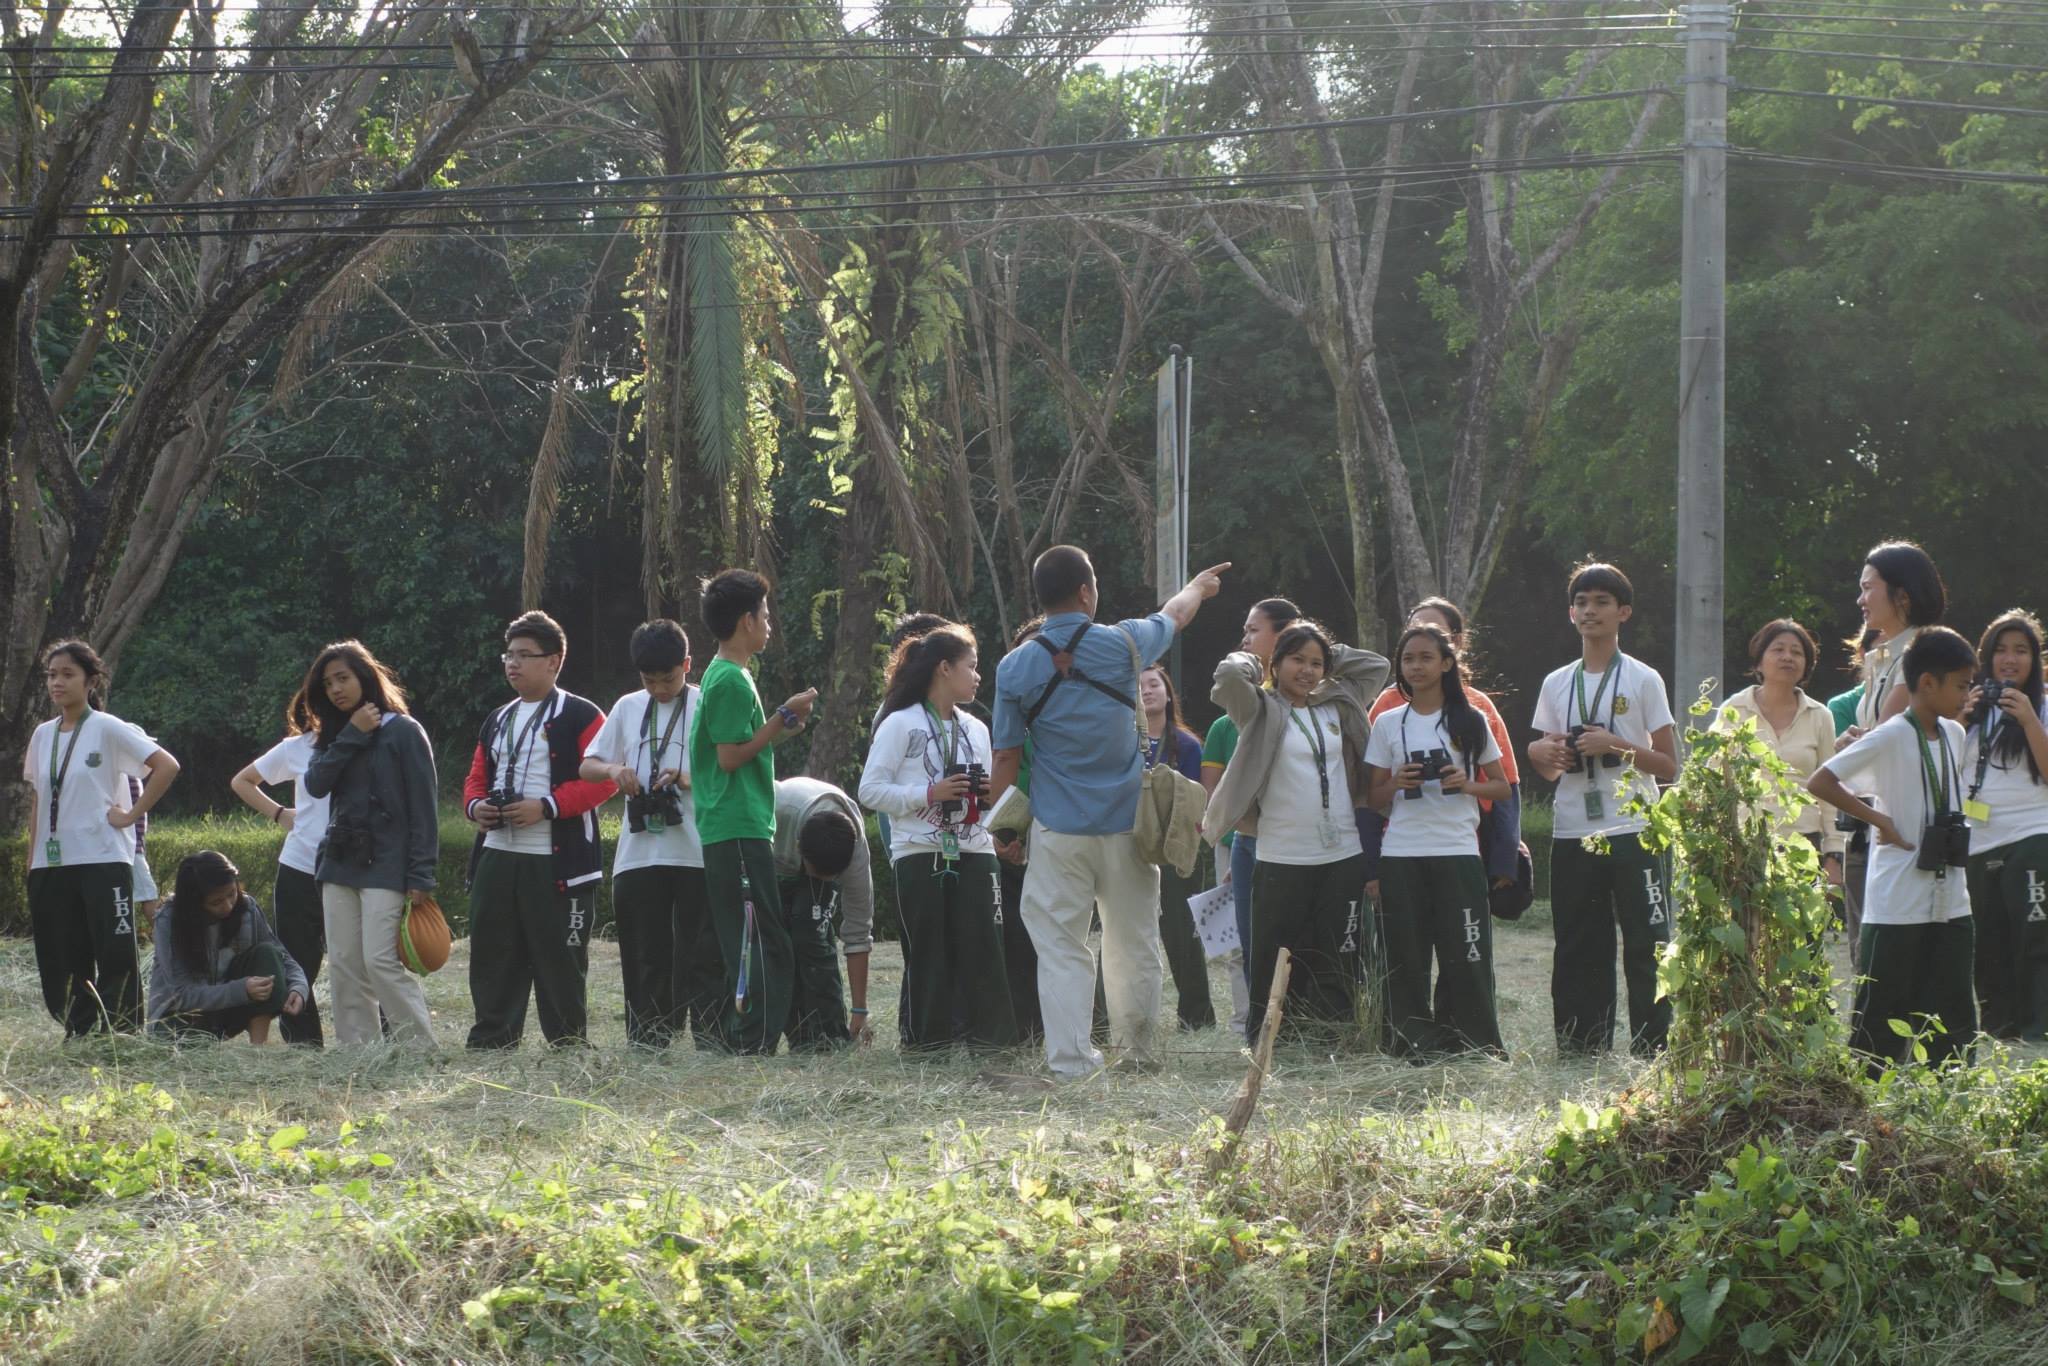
(383, 839)
(220, 970)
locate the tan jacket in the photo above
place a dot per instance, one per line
(1355, 679)
(1805, 745)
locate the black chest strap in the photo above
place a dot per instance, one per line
(1065, 668)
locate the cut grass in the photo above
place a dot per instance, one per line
(858, 1206)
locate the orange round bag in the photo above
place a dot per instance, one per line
(423, 938)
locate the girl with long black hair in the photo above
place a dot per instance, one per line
(921, 770)
(1898, 592)
(81, 878)
(1430, 761)
(373, 762)
(220, 969)
(2004, 757)
(301, 920)
(1298, 743)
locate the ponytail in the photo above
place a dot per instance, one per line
(918, 658)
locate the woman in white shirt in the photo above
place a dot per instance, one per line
(1797, 728)
(81, 879)
(1429, 762)
(927, 769)
(295, 907)
(2004, 757)
(1298, 742)
(1898, 592)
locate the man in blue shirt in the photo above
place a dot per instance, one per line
(1074, 689)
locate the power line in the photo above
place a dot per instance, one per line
(1940, 174)
(1763, 50)
(1900, 101)
(428, 198)
(736, 207)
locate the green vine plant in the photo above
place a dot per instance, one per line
(1746, 973)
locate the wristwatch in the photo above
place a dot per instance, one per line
(790, 720)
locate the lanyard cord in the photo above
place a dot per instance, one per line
(947, 742)
(1579, 684)
(655, 750)
(1318, 746)
(524, 743)
(56, 773)
(1929, 778)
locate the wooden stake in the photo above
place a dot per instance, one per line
(1247, 1099)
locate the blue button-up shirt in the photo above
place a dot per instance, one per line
(1085, 767)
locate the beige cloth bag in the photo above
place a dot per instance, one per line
(1170, 804)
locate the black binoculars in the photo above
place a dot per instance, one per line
(1578, 764)
(977, 786)
(1434, 763)
(1944, 844)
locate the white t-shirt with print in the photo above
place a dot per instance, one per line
(1294, 827)
(623, 739)
(2019, 805)
(1887, 761)
(1437, 824)
(530, 781)
(285, 762)
(1637, 708)
(108, 752)
(904, 759)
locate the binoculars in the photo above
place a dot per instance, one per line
(662, 805)
(1944, 844)
(1434, 762)
(977, 786)
(1578, 764)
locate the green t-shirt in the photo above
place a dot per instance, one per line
(1221, 744)
(1216, 752)
(739, 805)
(1843, 708)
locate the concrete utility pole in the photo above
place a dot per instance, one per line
(1702, 355)
(1174, 390)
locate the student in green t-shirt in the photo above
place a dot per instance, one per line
(733, 776)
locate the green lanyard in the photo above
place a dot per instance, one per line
(947, 741)
(1579, 683)
(1936, 780)
(1317, 745)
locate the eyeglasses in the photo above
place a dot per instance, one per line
(519, 656)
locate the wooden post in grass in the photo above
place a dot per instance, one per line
(1247, 1100)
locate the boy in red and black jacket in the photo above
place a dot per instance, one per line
(536, 868)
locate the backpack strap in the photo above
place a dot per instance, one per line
(1064, 668)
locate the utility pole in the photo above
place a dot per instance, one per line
(1174, 389)
(1702, 355)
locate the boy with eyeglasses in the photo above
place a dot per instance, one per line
(536, 866)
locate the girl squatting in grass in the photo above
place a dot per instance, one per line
(220, 969)
(2004, 756)
(925, 769)
(81, 879)
(1430, 762)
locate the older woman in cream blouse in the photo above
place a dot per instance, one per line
(1798, 729)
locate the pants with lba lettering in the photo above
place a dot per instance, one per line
(526, 935)
(1438, 907)
(1591, 895)
(2009, 902)
(84, 918)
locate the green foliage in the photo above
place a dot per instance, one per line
(1745, 970)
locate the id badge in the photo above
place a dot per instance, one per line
(1979, 812)
(53, 852)
(949, 846)
(1596, 804)
(1331, 837)
(656, 822)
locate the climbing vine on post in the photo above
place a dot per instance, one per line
(1746, 974)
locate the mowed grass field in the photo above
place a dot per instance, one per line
(606, 1205)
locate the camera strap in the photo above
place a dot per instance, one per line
(656, 749)
(522, 744)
